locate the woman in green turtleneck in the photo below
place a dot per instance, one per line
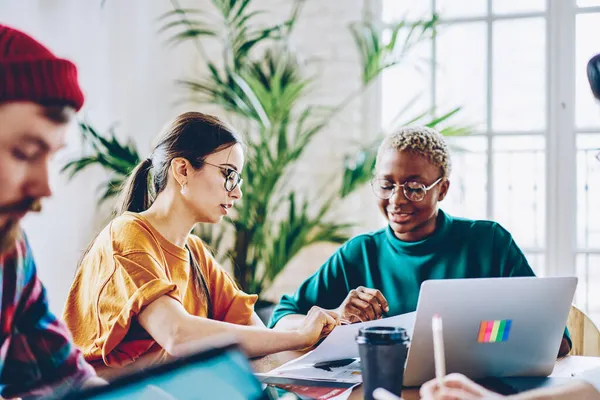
(380, 273)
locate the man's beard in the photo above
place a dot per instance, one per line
(11, 230)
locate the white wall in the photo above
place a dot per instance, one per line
(127, 73)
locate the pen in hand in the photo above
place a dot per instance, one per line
(438, 349)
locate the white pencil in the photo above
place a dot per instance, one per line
(438, 348)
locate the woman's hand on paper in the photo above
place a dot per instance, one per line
(317, 324)
(456, 387)
(363, 304)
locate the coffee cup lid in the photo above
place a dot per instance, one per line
(382, 334)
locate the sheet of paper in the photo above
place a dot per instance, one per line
(341, 342)
(349, 372)
(574, 365)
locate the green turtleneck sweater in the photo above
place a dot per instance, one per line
(459, 248)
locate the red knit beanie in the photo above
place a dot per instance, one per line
(30, 72)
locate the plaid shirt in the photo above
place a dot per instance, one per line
(37, 355)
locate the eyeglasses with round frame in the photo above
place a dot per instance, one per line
(413, 191)
(232, 177)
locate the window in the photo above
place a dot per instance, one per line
(517, 69)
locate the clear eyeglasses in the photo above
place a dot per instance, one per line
(413, 191)
(232, 177)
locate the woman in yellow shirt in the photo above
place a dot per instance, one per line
(146, 288)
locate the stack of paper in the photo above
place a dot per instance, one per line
(336, 359)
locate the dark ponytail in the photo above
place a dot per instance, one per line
(135, 196)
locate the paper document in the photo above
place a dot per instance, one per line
(337, 356)
(575, 365)
(341, 342)
(346, 371)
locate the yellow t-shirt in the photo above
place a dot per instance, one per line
(129, 265)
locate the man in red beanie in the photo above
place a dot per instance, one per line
(39, 95)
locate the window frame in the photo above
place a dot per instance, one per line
(560, 248)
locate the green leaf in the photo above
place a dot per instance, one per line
(112, 188)
(118, 158)
(178, 12)
(254, 103)
(190, 34)
(73, 167)
(298, 230)
(378, 54)
(184, 25)
(238, 17)
(443, 118)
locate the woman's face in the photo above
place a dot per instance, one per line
(410, 220)
(205, 193)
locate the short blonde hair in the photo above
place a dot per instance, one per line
(422, 140)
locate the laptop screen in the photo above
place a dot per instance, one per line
(218, 373)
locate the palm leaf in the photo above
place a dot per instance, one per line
(185, 28)
(73, 167)
(377, 54)
(298, 230)
(111, 189)
(117, 158)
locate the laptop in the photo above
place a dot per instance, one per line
(493, 327)
(221, 372)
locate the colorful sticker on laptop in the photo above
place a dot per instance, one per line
(494, 331)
